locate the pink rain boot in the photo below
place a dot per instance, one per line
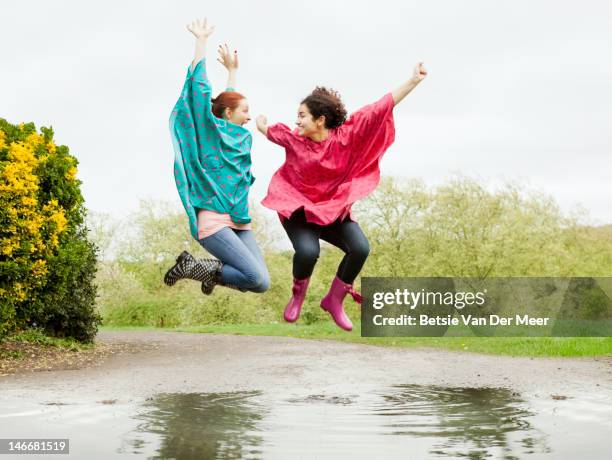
(332, 302)
(293, 308)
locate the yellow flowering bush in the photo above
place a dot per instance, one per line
(46, 262)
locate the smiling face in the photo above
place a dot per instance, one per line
(239, 115)
(306, 124)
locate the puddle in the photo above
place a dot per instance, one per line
(402, 421)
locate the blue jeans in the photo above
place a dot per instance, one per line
(243, 262)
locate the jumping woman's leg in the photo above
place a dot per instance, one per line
(349, 237)
(304, 237)
(240, 267)
(248, 239)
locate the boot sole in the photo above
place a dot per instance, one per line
(290, 320)
(332, 317)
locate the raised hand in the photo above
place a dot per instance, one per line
(402, 91)
(262, 124)
(229, 60)
(419, 72)
(200, 28)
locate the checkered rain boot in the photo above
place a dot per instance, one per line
(187, 267)
(207, 271)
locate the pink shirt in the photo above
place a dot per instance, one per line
(327, 177)
(210, 222)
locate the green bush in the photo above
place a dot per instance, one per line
(47, 265)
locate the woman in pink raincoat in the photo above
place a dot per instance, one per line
(331, 162)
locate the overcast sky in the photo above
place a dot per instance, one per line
(516, 90)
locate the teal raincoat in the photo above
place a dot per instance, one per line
(212, 157)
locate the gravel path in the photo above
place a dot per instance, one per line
(174, 362)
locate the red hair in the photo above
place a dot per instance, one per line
(225, 100)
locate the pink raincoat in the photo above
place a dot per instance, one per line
(327, 177)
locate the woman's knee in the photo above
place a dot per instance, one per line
(307, 254)
(259, 281)
(361, 249)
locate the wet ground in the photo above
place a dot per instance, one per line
(224, 396)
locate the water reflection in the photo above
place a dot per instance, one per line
(200, 426)
(463, 422)
(346, 421)
(473, 423)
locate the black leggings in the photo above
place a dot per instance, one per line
(344, 234)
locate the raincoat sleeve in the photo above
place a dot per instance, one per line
(191, 121)
(280, 134)
(200, 93)
(372, 121)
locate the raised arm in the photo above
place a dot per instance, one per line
(230, 62)
(262, 124)
(201, 30)
(402, 91)
(278, 133)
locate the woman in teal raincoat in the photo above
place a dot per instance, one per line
(212, 169)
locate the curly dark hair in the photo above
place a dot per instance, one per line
(326, 102)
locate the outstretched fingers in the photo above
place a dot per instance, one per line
(228, 59)
(200, 28)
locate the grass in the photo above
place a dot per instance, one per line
(37, 337)
(509, 346)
